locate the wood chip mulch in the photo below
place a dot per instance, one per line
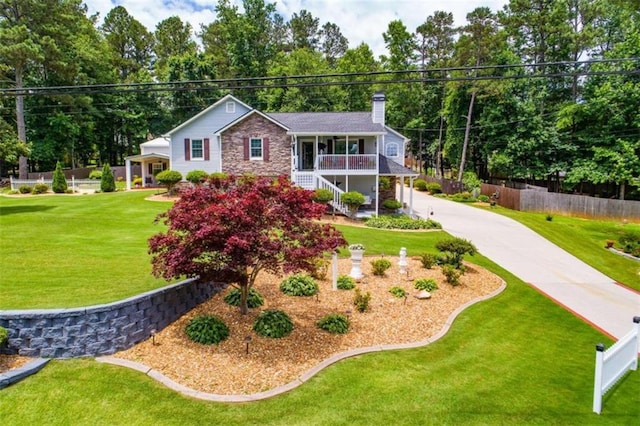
(228, 369)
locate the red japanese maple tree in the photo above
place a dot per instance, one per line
(235, 227)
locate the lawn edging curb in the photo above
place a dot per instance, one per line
(12, 376)
(156, 375)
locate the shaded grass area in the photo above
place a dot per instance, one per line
(69, 251)
(585, 239)
(515, 359)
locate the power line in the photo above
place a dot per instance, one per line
(272, 82)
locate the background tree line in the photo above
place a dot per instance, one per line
(530, 92)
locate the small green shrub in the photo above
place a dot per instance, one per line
(273, 323)
(379, 267)
(420, 184)
(345, 282)
(25, 189)
(452, 274)
(40, 188)
(107, 184)
(207, 329)
(361, 301)
(427, 284)
(169, 178)
(630, 242)
(428, 260)
(95, 174)
(68, 191)
(196, 177)
(321, 268)
(322, 195)
(484, 198)
(334, 323)
(59, 184)
(401, 222)
(234, 295)
(454, 250)
(397, 291)
(470, 181)
(299, 285)
(549, 217)
(434, 188)
(353, 200)
(4, 335)
(391, 204)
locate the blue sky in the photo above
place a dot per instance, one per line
(359, 20)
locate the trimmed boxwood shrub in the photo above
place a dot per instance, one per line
(345, 282)
(207, 329)
(169, 178)
(95, 174)
(427, 284)
(434, 188)
(196, 177)
(254, 299)
(40, 188)
(25, 189)
(322, 195)
(273, 323)
(420, 184)
(334, 323)
(299, 285)
(391, 204)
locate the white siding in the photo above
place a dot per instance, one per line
(204, 127)
(392, 137)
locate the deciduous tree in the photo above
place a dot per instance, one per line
(235, 227)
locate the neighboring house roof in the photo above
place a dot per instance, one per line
(391, 168)
(328, 123)
(205, 111)
(247, 115)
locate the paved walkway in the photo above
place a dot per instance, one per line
(562, 277)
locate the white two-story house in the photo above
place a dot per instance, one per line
(339, 151)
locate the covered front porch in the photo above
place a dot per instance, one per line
(151, 164)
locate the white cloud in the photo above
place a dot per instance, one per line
(359, 20)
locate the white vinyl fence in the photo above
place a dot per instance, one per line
(76, 184)
(613, 363)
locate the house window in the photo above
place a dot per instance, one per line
(255, 149)
(197, 149)
(231, 107)
(391, 150)
(156, 168)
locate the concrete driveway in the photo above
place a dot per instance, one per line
(572, 283)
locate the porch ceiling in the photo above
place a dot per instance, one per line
(146, 157)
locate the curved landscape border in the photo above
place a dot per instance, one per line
(305, 376)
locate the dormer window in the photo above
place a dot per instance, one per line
(231, 107)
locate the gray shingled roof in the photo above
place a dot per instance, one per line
(391, 168)
(328, 122)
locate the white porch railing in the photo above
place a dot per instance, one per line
(336, 203)
(305, 180)
(355, 162)
(613, 363)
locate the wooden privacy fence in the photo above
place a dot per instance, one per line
(533, 200)
(613, 363)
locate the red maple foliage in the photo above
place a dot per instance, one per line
(235, 227)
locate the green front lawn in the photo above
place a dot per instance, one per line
(514, 360)
(61, 251)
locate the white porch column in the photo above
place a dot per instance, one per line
(143, 173)
(127, 171)
(411, 196)
(377, 200)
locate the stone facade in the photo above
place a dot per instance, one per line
(256, 126)
(101, 329)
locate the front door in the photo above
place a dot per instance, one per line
(307, 156)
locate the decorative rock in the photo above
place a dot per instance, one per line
(422, 294)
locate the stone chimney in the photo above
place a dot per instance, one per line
(377, 109)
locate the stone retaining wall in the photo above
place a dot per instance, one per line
(100, 329)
